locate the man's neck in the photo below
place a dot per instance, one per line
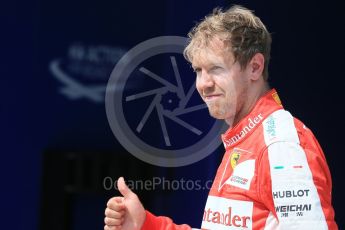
(252, 97)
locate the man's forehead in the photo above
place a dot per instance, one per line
(215, 52)
(206, 56)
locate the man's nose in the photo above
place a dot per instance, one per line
(206, 80)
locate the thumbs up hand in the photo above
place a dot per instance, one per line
(125, 213)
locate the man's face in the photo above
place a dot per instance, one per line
(220, 81)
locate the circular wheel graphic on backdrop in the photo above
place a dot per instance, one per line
(154, 109)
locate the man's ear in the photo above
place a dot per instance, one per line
(256, 66)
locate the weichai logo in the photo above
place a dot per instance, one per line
(293, 208)
(226, 219)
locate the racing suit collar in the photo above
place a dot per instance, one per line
(266, 105)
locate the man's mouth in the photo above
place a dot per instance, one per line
(211, 97)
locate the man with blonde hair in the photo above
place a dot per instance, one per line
(274, 174)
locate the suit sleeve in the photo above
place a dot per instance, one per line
(153, 222)
(295, 185)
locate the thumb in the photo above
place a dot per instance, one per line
(123, 188)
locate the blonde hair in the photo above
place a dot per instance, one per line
(239, 28)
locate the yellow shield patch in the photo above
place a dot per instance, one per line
(235, 156)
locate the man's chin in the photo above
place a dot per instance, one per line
(216, 114)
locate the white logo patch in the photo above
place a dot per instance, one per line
(242, 175)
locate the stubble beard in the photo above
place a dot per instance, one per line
(216, 110)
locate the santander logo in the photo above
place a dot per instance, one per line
(224, 214)
(252, 122)
(226, 219)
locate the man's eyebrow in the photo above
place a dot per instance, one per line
(209, 66)
(216, 64)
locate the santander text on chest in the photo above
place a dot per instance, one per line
(227, 218)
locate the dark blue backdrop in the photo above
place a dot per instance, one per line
(307, 68)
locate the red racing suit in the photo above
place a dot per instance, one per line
(273, 175)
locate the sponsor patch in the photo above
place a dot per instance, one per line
(235, 174)
(248, 128)
(242, 175)
(270, 127)
(225, 214)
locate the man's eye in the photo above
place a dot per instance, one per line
(197, 70)
(216, 68)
